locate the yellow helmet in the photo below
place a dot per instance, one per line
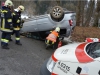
(8, 3)
(21, 8)
(57, 29)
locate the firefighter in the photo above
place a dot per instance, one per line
(17, 23)
(6, 23)
(53, 37)
(3, 3)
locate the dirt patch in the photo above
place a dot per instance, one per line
(81, 33)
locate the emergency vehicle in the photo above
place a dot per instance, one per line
(74, 59)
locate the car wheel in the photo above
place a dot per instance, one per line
(57, 13)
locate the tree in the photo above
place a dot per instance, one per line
(89, 12)
(78, 15)
(97, 14)
(42, 6)
(83, 4)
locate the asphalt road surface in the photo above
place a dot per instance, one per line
(23, 60)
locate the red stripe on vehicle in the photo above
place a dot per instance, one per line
(53, 74)
(54, 58)
(81, 55)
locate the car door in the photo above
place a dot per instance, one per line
(90, 68)
(44, 23)
(30, 26)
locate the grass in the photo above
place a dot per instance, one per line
(81, 33)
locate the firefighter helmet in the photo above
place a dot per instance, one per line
(21, 8)
(8, 3)
(57, 29)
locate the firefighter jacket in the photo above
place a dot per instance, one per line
(6, 20)
(52, 36)
(16, 20)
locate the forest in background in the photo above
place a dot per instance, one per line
(87, 11)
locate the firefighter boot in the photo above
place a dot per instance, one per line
(18, 42)
(2, 43)
(5, 47)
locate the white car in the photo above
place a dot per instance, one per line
(74, 59)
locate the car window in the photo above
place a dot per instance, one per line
(93, 49)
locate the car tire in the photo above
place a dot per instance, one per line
(57, 13)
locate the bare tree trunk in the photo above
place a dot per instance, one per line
(96, 18)
(83, 3)
(58, 2)
(90, 12)
(78, 13)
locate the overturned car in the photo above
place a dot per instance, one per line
(39, 26)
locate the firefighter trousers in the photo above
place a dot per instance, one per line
(54, 44)
(17, 35)
(5, 38)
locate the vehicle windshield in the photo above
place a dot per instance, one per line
(93, 49)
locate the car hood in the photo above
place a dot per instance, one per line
(74, 52)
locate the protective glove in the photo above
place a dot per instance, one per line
(18, 21)
(21, 25)
(22, 21)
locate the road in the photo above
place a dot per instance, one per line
(23, 60)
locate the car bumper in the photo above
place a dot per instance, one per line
(44, 70)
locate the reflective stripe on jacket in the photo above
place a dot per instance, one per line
(52, 36)
(17, 28)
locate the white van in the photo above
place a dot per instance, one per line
(74, 59)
